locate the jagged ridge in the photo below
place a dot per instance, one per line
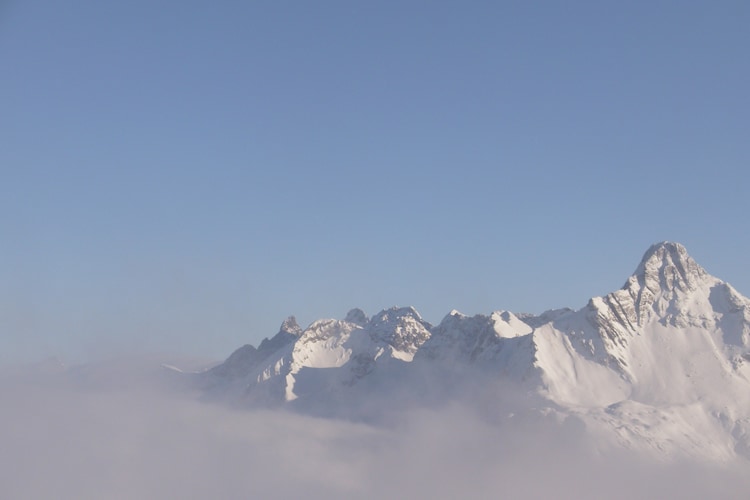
(667, 337)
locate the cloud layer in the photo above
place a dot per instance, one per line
(104, 434)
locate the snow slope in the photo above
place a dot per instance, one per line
(328, 355)
(659, 366)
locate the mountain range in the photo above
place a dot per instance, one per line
(661, 365)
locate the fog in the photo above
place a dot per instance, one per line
(107, 432)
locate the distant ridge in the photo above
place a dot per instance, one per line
(665, 357)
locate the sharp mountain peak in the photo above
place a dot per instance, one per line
(668, 266)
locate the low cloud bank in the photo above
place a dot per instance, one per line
(105, 434)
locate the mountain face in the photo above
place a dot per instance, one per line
(661, 365)
(327, 354)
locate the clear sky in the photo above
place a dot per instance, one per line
(181, 176)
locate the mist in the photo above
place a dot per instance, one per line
(104, 431)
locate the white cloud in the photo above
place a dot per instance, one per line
(66, 439)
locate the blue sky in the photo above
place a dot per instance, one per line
(181, 176)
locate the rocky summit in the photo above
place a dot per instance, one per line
(661, 365)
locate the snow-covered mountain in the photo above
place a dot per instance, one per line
(660, 365)
(328, 355)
